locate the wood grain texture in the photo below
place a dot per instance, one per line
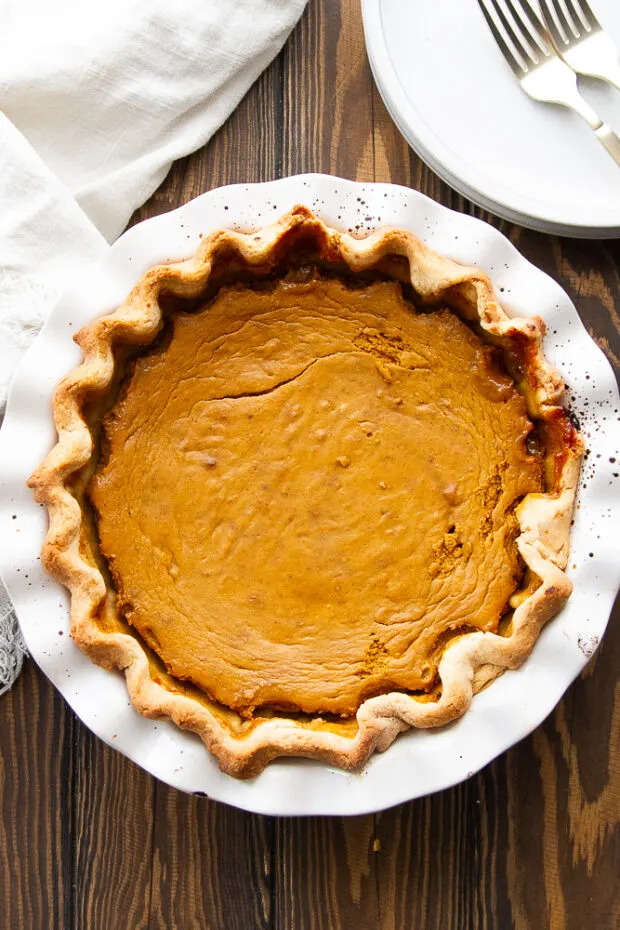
(212, 865)
(89, 842)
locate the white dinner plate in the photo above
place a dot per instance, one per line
(449, 90)
(419, 762)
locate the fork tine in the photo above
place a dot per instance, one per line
(569, 29)
(515, 33)
(558, 37)
(582, 11)
(517, 66)
(533, 26)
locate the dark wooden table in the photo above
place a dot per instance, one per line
(90, 842)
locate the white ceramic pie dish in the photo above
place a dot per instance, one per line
(419, 762)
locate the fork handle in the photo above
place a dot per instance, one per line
(604, 133)
(607, 137)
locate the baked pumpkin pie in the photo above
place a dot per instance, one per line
(310, 490)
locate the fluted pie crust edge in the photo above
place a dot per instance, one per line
(471, 660)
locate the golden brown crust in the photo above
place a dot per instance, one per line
(470, 661)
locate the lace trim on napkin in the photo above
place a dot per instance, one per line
(12, 646)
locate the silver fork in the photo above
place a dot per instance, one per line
(541, 73)
(580, 39)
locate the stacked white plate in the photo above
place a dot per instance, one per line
(449, 90)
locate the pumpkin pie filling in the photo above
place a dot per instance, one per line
(308, 488)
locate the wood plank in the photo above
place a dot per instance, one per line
(564, 794)
(325, 873)
(36, 747)
(327, 90)
(75, 830)
(430, 862)
(112, 803)
(212, 865)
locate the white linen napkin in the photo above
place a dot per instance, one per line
(96, 102)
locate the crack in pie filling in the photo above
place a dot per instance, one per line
(309, 491)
